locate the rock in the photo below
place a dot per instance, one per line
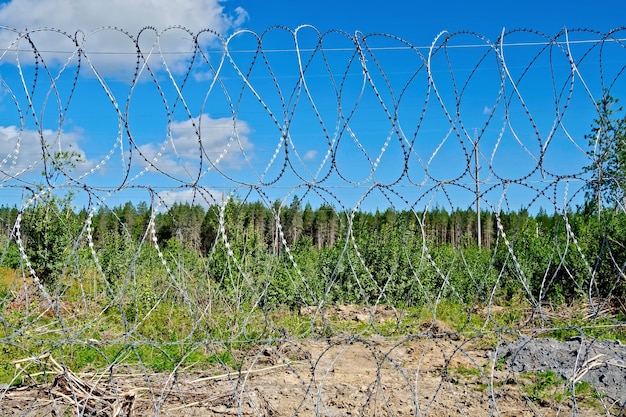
(600, 363)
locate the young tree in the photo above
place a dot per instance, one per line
(608, 155)
(49, 225)
(47, 229)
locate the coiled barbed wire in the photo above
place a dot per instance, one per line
(352, 123)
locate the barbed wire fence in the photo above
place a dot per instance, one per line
(318, 223)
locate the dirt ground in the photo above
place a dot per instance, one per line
(434, 373)
(369, 377)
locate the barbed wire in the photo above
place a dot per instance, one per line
(317, 223)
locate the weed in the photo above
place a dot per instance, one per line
(466, 372)
(543, 384)
(548, 387)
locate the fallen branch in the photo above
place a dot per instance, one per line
(230, 374)
(70, 388)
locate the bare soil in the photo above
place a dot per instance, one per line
(433, 373)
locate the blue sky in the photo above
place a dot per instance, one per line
(420, 21)
(198, 130)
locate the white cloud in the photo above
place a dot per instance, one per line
(221, 140)
(89, 16)
(201, 76)
(487, 110)
(310, 155)
(130, 15)
(21, 152)
(202, 197)
(242, 16)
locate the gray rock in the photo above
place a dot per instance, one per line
(600, 363)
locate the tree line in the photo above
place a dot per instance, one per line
(296, 254)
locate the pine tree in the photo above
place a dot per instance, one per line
(608, 155)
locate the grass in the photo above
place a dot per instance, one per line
(549, 388)
(601, 328)
(545, 388)
(7, 277)
(96, 358)
(542, 384)
(149, 331)
(467, 372)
